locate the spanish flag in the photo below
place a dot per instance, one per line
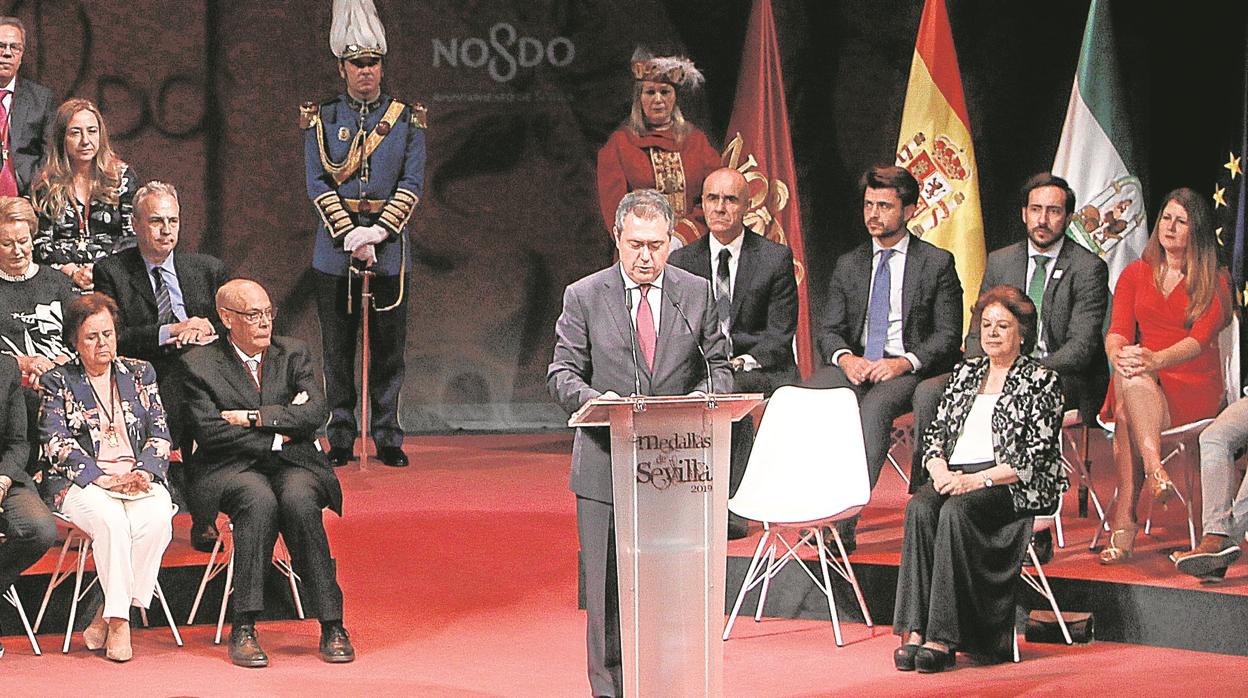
(935, 146)
(760, 147)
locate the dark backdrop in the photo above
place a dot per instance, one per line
(205, 94)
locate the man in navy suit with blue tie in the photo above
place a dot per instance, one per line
(893, 315)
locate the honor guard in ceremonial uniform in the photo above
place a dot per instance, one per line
(365, 161)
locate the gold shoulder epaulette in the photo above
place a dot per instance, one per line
(420, 115)
(309, 114)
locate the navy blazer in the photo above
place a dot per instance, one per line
(931, 300)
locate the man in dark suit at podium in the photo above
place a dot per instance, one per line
(665, 318)
(755, 301)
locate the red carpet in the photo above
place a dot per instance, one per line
(460, 580)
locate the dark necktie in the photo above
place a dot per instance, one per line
(877, 309)
(723, 293)
(1035, 287)
(164, 303)
(646, 338)
(8, 179)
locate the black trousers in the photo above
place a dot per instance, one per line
(279, 497)
(960, 558)
(32, 530)
(387, 338)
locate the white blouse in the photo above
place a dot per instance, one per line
(975, 443)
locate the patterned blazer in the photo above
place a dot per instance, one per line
(1026, 427)
(69, 411)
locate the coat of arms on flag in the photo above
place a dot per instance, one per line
(1113, 215)
(943, 175)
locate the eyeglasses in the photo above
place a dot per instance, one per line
(10, 46)
(253, 317)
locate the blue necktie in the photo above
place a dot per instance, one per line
(877, 310)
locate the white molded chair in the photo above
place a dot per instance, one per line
(1033, 574)
(1176, 439)
(225, 547)
(80, 542)
(808, 468)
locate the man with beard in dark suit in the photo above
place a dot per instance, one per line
(167, 306)
(26, 107)
(755, 302)
(256, 404)
(892, 317)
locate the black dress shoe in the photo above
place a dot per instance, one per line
(245, 648)
(849, 538)
(1042, 541)
(392, 456)
(903, 657)
(930, 661)
(336, 646)
(338, 457)
(204, 535)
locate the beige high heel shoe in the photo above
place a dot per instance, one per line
(1160, 486)
(118, 645)
(95, 634)
(1121, 545)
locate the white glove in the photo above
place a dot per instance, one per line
(366, 254)
(359, 237)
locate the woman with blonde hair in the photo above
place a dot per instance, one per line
(657, 148)
(83, 195)
(1169, 306)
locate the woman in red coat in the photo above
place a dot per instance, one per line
(657, 148)
(1169, 306)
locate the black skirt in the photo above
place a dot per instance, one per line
(960, 562)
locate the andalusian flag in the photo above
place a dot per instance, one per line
(1096, 156)
(935, 145)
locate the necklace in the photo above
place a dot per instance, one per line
(111, 433)
(30, 272)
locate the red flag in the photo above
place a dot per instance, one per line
(759, 145)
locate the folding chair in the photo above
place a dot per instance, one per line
(1035, 577)
(808, 469)
(78, 540)
(10, 595)
(225, 546)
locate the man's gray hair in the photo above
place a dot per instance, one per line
(153, 188)
(646, 204)
(14, 22)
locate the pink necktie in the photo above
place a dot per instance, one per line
(645, 328)
(8, 179)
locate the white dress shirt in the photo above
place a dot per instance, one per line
(734, 261)
(894, 346)
(653, 297)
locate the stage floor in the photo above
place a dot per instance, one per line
(460, 580)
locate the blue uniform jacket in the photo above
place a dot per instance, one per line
(381, 189)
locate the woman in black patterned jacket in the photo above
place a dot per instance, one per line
(994, 457)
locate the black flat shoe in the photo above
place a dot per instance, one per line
(392, 456)
(930, 661)
(903, 657)
(338, 457)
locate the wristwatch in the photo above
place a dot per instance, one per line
(253, 418)
(987, 481)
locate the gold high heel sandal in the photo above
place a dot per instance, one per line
(1160, 486)
(1121, 545)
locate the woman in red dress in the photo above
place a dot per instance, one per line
(657, 148)
(1169, 306)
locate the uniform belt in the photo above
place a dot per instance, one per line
(363, 205)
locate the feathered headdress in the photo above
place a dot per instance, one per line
(677, 71)
(356, 30)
